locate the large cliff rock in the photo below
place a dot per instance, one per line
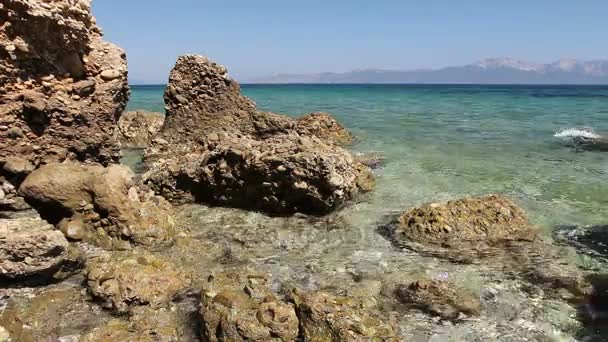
(62, 87)
(216, 147)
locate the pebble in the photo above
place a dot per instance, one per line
(73, 229)
(109, 74)
(10, 47)
(1, 194)
(48, 78)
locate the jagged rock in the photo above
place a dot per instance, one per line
(105, 200)
(239, 306)
(57, 98)
(136, 129)
(324, 317)
(439, 298)
(464, 229)
(124, 280)
(30, 247)
(216, 147)
(324, 126)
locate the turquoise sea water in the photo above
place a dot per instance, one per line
(447, 141)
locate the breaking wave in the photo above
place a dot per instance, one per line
(573, 133)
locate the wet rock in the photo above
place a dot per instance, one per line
(124, 280)
(136, 129)
(373, 160)
(462, 230)
(104, 200)
(439, 298)
(592, 240)
(239, 306)
(324, 126)
(324, 317)
(48, 314)
(30, 247)
(221, 150)
(144, 324)
(56, 51)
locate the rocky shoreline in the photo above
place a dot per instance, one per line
(90, 251)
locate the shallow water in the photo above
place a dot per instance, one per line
(440, 143)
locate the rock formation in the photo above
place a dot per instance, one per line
(97, 204)
(324, 126)
(30, 247)
(324, 317)
(216, 147)
(136, 129)
(239, 306)
(62, 88)
(439, 298)
(464, 229)
(127, 280)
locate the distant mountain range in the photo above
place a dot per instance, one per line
(487, 71)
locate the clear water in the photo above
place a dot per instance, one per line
(448, 141)
(440, 142)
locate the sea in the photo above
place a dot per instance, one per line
(437, 143)
(441, 142)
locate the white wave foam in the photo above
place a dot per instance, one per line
(577, 133)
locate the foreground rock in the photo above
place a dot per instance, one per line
(439, 299)
(324, 317)
(216, 147)
(136, 129)
(462, 230)
(128, 280)
(97, 204)
(30, 247)
(239, 306)
(62, 87)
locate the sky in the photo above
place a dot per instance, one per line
(256, 38)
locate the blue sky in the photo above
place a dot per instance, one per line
(263, 37)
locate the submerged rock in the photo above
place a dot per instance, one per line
(439, 298)
(324, 317)
(464, 229)
(591, 240)
(57, 100)
(98, 204)
(239, 306)
(216, 147)
(136, 129)
(30, 247)
(127, 280)
(50, 314)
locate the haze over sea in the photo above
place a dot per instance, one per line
(444, 142)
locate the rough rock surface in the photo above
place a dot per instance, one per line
(324, 317)
(216, 147)
(99, 204)
(324, 126)
(62, 88)
(439, 298)
(136, 129)
(239, 306)
(462, 229)
(30, 247)
(126, 280)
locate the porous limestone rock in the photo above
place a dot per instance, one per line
(325, 317)
(324, 126)
(463, 229)
(124, 280)
(105, 200)
(237, 305)
(57, 100)
(136, 129)
(216, 147)
(439, 298)
(30, 247)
